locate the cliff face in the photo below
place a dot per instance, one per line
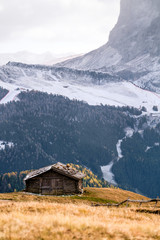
(133, 49)
(137, 31)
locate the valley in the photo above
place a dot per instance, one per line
(40, 129)
(100, 110)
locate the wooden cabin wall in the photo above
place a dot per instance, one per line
(53, 183)
(33, 185)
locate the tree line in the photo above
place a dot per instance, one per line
(13, 182)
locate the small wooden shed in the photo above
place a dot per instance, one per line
(57, 179)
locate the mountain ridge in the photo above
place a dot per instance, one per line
(26, 57)
(93, 87)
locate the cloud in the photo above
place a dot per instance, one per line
(55, 24)
(1, 8)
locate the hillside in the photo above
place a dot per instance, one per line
(70, 218)
(93, 87)
(119, 144)
(90, 196)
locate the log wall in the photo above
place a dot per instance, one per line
(53, 183)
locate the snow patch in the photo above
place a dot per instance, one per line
(157, 144)
(147, 148)
(10, 96)
(107, 170)
(141, 132)
(107, 173)
(3, 144)
(128, 134)
(119, 151)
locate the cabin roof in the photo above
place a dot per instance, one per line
(60, 168)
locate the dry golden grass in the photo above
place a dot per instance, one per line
(41, 220)
(91, 195)
(48, 218)
(117, 195)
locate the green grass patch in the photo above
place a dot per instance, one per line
(94, 199)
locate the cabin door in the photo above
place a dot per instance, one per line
(52, 186)
(46, 185)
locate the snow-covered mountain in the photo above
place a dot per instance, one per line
(33, 58)
(113, 74)
(133, 49)
(92, 87)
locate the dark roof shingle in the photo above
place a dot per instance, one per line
(58, 167)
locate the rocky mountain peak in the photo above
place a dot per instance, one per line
(134, 12)
(133, 49)
(137, 31)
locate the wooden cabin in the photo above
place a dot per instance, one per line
(57, 179)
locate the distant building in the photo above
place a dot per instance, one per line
(57, 179)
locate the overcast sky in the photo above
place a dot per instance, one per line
(57, 26)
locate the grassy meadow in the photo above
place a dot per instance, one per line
(31, 217)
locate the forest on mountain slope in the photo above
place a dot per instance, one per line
(48, 128)
(45, 128)
(3, 92)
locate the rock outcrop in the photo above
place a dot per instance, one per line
(137, 31)
(133, 49)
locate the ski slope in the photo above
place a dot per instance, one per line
(114, 94)
(10, 96)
